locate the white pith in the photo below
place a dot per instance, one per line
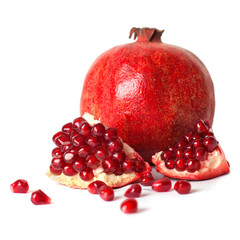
(99, 174)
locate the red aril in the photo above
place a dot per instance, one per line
(152, 92)
(95, 186)
(133, 191)
(106, 193)
(39, 197)
(182, 187)
(94, 152)
(19, 186)
(162, 185)
(201, 157)
(129, 206)
(146, 179)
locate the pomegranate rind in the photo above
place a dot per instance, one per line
(215, 165)
(111, 180)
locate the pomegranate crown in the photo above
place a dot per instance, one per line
(146, 34)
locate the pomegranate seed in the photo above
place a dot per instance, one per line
(77, 123)
(111, 134)
(98, 130)
(92, 161)
(146, 179)
(73, 135)
(201, 127)
(188, 137)
(39, 197)
(67, 128)
(209, 134)
(56, 152)
(165, 155)
(86, 174)
(60, 138)
(129, 206)
(133, 191)
(197, 143)
(70, 155)
(210, 143)
(139, 165)
(180, 164)
(179, 153)
(120, 156)
(55, 171)
(188, 153)
(162, 185)
(119, 170)
(85, 129)
(93, 141)
(65, 146)
(193, 165)
(101, 153)
(19, 186)
(78, 140)
(68, 170)
(109, 165)
(181, 144)
(200, 154)
(115, 146)
(57, 163)
(171, 148)
(95, 186)
(195, 137)
(84, 150)
(182, 187)
(170, 164)
(106, 193)
(128, 166)
(79, 164)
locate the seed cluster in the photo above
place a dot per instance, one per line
(189, 152)
(81, 148)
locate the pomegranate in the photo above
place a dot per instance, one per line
(129, 205)
(87, 151)
(150, 91)
(19, 186)
(182, 187)
(196, 156)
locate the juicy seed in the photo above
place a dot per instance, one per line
(193, 165)
(115, 146)
(210, 143)
(39, 197)
(162, 185)
(128, 166)
(19, 186)
(129, 206)
(133, 191)
(67, 128)
(86, 174)
(95, 186)
(84, 129)
(182, 186)
(57, 163)
(92, 161)
(146, 179)
(98, 130)
(77, 122)
(106, 193)
(68, 170)
(55, 171)
(201, 127)
(180, 164)
(79, 164)
(109, 165)
(111, 134)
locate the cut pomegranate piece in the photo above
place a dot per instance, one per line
(182, 186)
(162, 185)
(129, 205)
(106, 193)
(88, 151)
(200, 158)
(39, 197)
(19, 186)
(133, 191)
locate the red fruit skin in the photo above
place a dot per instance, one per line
(150, 91)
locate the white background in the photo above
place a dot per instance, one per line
(46, 48)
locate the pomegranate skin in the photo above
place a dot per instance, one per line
(150, 91)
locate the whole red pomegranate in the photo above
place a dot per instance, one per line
(150, 91)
